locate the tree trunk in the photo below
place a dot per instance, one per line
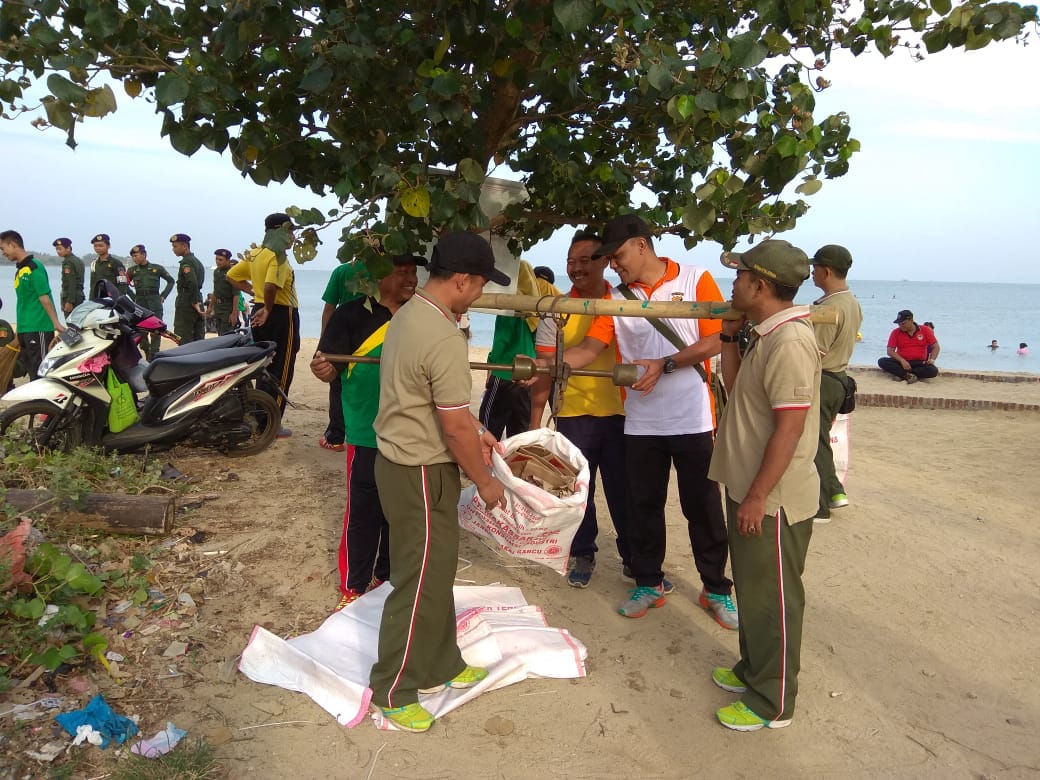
(113, 512)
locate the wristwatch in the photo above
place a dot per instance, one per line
(669, 365)
(728, 339)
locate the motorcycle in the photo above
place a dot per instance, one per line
(200, 394)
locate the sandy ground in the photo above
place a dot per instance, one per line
(919, 657)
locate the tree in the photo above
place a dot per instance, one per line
(403, 108)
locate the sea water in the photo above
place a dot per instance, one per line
(967, 317)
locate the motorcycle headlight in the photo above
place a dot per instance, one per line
(50, 363)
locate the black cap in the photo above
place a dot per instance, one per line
(409, 260)
(903, 316)
(101, 237)
(65, 242)
(278, 219)
(619, 230)
(545, 272)
(466, 253)
(225, 253)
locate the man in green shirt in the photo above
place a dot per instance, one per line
(346, 283)
(189, 319)
(224, 301)
(71, 275)
(106, 267)
(145, 278)
(35, 314)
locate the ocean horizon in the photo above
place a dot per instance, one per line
(967, 316)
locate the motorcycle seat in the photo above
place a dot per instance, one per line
(181, 368)
(205, 345)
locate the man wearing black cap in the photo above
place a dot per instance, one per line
(912, 350)
(668, 417)
(358, 327)
(268, 276)
(223, 304)
(764, 453)
(189, 319)
(72, 272)
(425, 432)
(830, 267)
(106, 267)
(145, 278)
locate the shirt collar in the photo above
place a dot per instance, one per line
(670, 272)
(768, 325)
(818, 301)
(25, 262)
(424, 297)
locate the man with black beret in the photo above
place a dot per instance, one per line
(72, 272)
(106, 267)
(224, 301)
(145, 278)
(189, 319)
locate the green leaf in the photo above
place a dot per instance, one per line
(53, 657)
(514, 27)
(471, 170)
(442, 47)
(58, 114)
(573, 15)
(65, 90)
(810, 186)
(699, 217)
(941, 7)
(660, 77)
(95, 644)
(416, 202)
(787, 145)
(706, 100)
(100, 101)
(171, 89)
(685, 104)
(747, 50)
(318, 77)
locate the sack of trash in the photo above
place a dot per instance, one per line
(546, 481)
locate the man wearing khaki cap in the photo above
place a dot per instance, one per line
(764, 455)
(830, 266)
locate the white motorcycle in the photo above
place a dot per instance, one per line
(199, 394)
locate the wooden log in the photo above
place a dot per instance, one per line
(112, 512)
(548, 304)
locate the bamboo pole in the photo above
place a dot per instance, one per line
(548, 304)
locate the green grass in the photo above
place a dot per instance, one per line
(195, 760)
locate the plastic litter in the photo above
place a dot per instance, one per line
(101, 718)
(160, 744)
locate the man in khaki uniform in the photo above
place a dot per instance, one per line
(830, 266)
(764, 456)
(425, 432)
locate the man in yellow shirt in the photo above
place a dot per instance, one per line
(592, 413)
(269, 278)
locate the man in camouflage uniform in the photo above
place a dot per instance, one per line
(71, 276)
(144, 277)
(189, 319)
(224, 301)
(106, 267)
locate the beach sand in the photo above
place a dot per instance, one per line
(919, 655)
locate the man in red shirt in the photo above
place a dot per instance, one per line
(912, 350)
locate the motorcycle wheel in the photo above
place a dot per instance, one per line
(264, 418)
(38, 424)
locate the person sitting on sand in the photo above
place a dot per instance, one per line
(912, 350)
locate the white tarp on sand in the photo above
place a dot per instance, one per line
(497, 629)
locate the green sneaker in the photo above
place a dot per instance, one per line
(640, 599)
(411, 717)
(467, 678)
(839, 500)
(738, 717)
(725, 679)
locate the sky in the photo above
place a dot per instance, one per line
(943, 189)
